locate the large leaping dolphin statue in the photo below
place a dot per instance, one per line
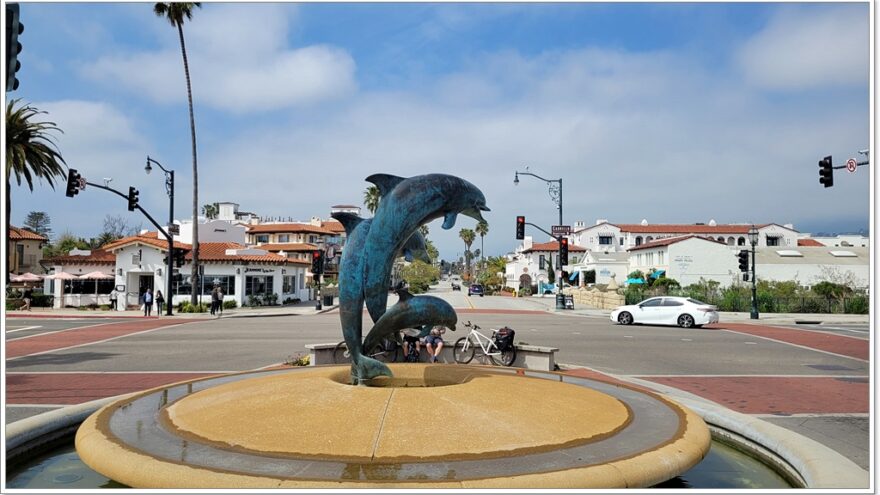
(406, 204)
(411, 311)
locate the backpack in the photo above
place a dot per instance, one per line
(504, 338)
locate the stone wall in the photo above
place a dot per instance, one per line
(595, 298)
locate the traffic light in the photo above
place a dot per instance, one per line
(563, 251)
(317, 262)
(826, 172)
(14, 28)
(520, 227)
(73, 180)
(743, 256)
(132, 198)
(179, 257)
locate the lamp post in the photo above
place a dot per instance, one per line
(169, 188)
(554, 187)
(753, 240)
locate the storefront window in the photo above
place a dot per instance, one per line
(226, 282)
(289, 284)
(88, 286)
(258, 285)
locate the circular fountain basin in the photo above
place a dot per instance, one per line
(430, 426)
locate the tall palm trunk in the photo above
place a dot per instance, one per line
(9, 249)
(195, 199)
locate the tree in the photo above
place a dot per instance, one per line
(38, 223)
(467, 235)
(551, 273)
(433, 253)
(211, 210)
(30, 152)
(481, 230)
(420, 276)
(175, 13)
(64, 244)
(489, 276)
(371, 198)
(424, 230)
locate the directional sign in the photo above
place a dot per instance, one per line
(174, 229)
(851, 165)
(560, 229)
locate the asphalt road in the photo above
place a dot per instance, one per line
(812, 379)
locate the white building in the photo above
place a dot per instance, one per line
(528, 265)
(605, 264)
(687, 259)
(604, 236)
(844, 240)
(809, 265)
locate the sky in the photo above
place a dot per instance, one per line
(667, 112)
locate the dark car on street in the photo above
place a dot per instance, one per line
(455, 286)
(475, 290)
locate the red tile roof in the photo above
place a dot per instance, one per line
(216, 251)
(97, 257)
(552, 246)
(685, 228)
(810, 242)
(288, 227)
(17, 234)
(287, 247)
(672, 240)
(162, 244)
(334, 226)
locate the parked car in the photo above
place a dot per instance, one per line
(475, 289)
(682, 311)
(455, 286)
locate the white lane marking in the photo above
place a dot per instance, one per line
(62, 330)
(533, 329)
(627, 336)
(89, 343)
(575, 333)
(23, 328)
(687, 340)
(798, 345)
(750, 343)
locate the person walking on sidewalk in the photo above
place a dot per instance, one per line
(160, 300)
(219, 301)
(214, 299)
(26, 297)
(148, 302)
(114, 296)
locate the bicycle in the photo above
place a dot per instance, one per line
(465, 347)
(387, 351)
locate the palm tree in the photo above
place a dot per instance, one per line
(175, 14)
(371, 198)
(481, 230)
(467, 235)
(30, 152)
(211, 210)
(424, 230)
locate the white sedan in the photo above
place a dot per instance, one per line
(682, 311)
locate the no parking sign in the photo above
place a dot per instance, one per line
(851, 165)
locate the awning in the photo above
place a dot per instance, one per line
(573, 276)
(658, 273)
(634, 281)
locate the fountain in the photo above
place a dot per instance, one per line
(363, 426)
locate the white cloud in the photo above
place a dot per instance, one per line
(808, 48)
(239, 62)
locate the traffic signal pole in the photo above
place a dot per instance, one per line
(167, 235)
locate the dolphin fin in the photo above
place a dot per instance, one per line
(449, 220)
(404, 295)
(365, 369)
(348, 220)
(385, 182)
(407, 255)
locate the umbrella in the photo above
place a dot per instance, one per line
(658, 273)
(97, 275)
(63, 276)
(634, 281)
(24, 277)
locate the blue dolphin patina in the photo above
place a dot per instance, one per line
(351, 291)
(411, 311)
(406, 204)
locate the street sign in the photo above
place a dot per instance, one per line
(174, 229)
(560, 229)
(851, 165)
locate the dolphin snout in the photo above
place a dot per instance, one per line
(483, 208)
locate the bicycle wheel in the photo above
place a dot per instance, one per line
(463, 351)
(340, 354)
(507, 356)
(385, 354)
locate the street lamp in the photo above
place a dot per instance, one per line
(753, 240)
(169, 188)
(554, 187)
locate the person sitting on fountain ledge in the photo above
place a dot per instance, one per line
(434, 343)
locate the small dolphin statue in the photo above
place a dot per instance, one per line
(411, 311)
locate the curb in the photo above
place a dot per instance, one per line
(815, 464)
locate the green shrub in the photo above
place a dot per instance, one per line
(13, 304)
(857, 305)
(271, 299)
(230, 304)
(187, 307)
